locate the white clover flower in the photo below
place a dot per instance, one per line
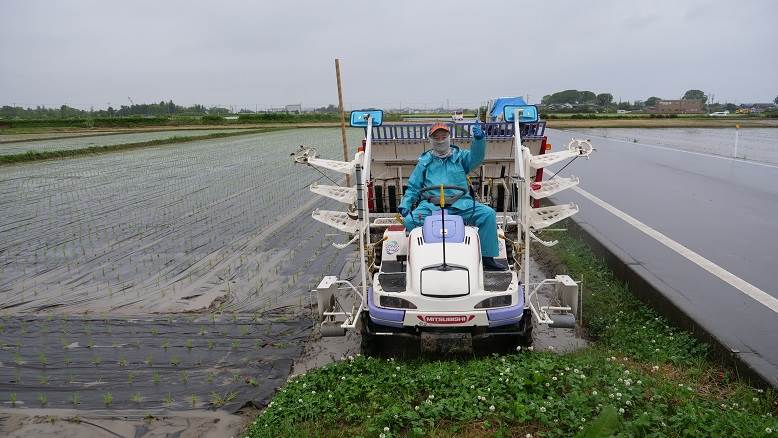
(567, 368)
(755, 399)
(343, 378)
(547, 384)
(472, 386)
(381, 435)
(610, 395)
(655, 368)
(397, 368)
(626, 372)
(554, 378)
(529, 435)
(594, 392)
(431, 397)
(491, 408)
(768, 430)
(386, 428)
(518, 348)
(639, 382)
(542, 409)
(629, 403)
(416, 407)
(299, 400)
(531, 348)
(576, 371)
(621, 410)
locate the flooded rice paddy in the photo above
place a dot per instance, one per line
(79, 142)
(756, 144)
(169, 277)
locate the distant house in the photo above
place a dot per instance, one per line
(297, 108)
(683, 106)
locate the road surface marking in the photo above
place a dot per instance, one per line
(733, 280)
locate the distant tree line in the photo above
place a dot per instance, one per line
(576, 100)
(145, 109)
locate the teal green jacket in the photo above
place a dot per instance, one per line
(449, 171)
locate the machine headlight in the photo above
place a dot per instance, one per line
(397, 303)
(500, 301)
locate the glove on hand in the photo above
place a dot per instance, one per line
(478, 131)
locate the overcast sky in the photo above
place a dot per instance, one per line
(271, 53)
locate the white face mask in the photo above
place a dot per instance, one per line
(441, 148)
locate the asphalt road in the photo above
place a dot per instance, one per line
(720, 209)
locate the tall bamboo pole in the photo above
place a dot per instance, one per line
(342, 118)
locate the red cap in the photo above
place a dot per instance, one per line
(439, 125)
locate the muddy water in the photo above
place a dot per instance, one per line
(757, 144)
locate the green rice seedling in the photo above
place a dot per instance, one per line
(18, 359)
(193, 399)
(168, 399)
(166, 345)
(175, 360)
(67, 360)
(184, 377)
(42, 399)
(71, 378)
(211, 344)
(188, 344)
(155, 378)
(75, 399)
(97, 360)
(235, 344)
(252, 381)
(122, 361)
(136, 398)
(12, 399)
(148, 361)
(17, 376)
(43, 379)
(210, 376)
(108, 398)
(130, 377)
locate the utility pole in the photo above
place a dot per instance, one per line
(342, 118)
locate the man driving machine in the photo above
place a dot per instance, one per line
(448, 165)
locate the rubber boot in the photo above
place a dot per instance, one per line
(490, 264)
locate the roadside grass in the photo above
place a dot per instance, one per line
(639, 377)
(45, 155)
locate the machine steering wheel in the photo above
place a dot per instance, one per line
(432, 194)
